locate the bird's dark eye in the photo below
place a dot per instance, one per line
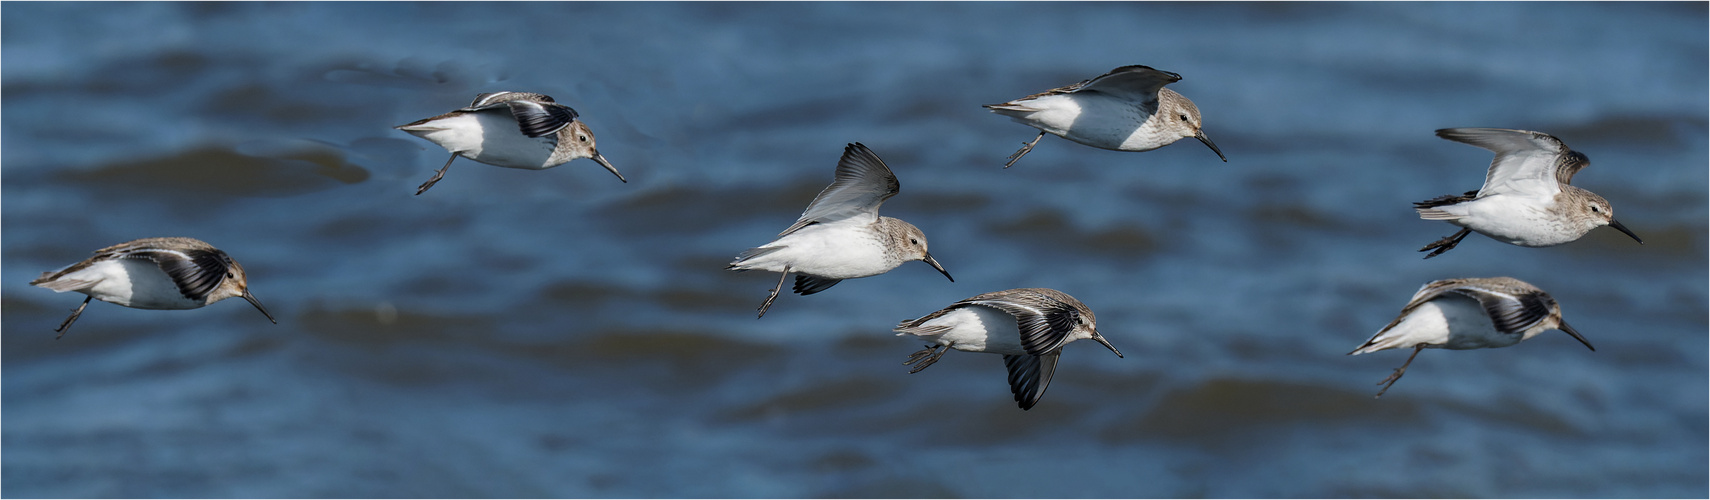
(1184, 117)
(583, 138)
(913, 241)
(229, 275)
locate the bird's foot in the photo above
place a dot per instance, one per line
(926, 357)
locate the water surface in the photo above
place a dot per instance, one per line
(560, 334)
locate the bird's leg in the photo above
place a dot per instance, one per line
(436, 176)
(1448, 242)
(1393, 377)
(768, 303)
(72, 319)
(926, 357)
(1028, 146)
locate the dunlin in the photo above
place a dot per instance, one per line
(512, 130)
(153, 273)
(1526, 199)
(1127, 109)
(1028, 326)
(1468, 313)
(841, 235)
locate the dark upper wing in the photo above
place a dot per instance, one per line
(1512, 311)
(1140, 83)
(1029, 376)
(536, 114)
(541, 119)
(1569, 164)
(863, 182)
(1045, 322)
(197, 272)
(491, 98)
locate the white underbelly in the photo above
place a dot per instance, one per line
(1097, 121)
(979, 329)
(491, 138)
(828, 251)
(1053, 114)
(1518, 222)
(133, 283)
(1451, 322)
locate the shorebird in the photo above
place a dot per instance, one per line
(1127, 109)
(512, 130)
(1468, 313)
(1028, 326)
(841, 235)
(1526, 199)
(153, 273)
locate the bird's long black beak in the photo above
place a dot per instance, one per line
(1617, 225)
(1200, 134)
(251, 298)
(929, 260)
(1101, 340)
(602, 161)
(1570, 331)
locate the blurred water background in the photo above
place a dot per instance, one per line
(560, 334)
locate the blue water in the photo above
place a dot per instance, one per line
(560, 334)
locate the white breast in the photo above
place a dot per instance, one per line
(1151, 135)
